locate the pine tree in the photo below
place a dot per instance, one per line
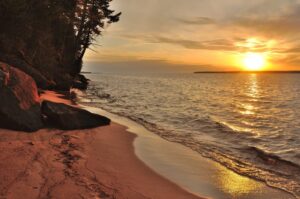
(51, 36)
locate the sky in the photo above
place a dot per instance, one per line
(199, 35)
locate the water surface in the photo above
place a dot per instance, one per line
(247, 122)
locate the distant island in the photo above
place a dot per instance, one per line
(266, 71)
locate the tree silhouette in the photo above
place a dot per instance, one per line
(51, 36)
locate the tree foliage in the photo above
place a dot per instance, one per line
(51, 35)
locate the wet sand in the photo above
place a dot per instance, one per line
(190, 170)
(94, 163)
(113, 162)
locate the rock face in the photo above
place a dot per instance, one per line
(70, 118)
(41, 81)
(80, 82)
(19, 100)
(52, 79)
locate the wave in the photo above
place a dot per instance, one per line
(254, 163)
(272, 159)
(242, 158)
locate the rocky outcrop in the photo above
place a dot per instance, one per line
(70, 118)
(63, 81)
(53, 79)
(41, 81)
(19, 100)
(80, 82)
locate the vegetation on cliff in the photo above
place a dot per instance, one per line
(47, 39)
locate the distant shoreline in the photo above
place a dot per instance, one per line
(270, 71)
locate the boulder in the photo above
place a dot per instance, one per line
(19, 100)
(41, 81)
(80, 82)
(66, 117)
(63, 81)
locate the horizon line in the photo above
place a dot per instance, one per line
(258, 71)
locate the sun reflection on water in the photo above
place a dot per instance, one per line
(253, 87)
(248, 109)
(252, 94)
(237, 185)
(247, 105)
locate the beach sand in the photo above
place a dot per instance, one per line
(94, 163)
(188, 169)
(113, 162)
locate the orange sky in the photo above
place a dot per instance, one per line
(192, 35)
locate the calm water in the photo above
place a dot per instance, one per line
(248, 122)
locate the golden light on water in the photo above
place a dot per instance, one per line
(237, 185)
(254, 61)
(252, 92)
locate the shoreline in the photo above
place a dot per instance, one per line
(209, 127)
(95, 163)
(188, 169)
(92, 163)
(123, 160)
(142, 181)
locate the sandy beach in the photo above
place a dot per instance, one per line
(136, 99)
(95, 163)
(122, 160)
(186, 168)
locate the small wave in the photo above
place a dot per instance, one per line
(224, 141)
(251, 161)
(220, 127)
(273, 159)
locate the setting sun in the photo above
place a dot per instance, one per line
(254, 61)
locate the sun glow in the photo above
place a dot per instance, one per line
(254, 61)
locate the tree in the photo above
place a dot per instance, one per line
(92, 16)
(51, 36)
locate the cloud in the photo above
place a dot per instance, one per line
(172, 26)
(218, 44)
(274, 26)
(143, 65)
(293, 49)
(291, 61)
(234, 44)
(197, 21)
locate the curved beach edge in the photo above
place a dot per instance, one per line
(93, 163)
(188, 169)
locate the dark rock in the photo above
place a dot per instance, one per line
(63, 81)
(30, 143)
(73, 96)
(50, 79)
(19, 100)
(79, 85)
(70, 118)
(41, 81)
(80, 82)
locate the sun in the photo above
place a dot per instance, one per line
(254, 61)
